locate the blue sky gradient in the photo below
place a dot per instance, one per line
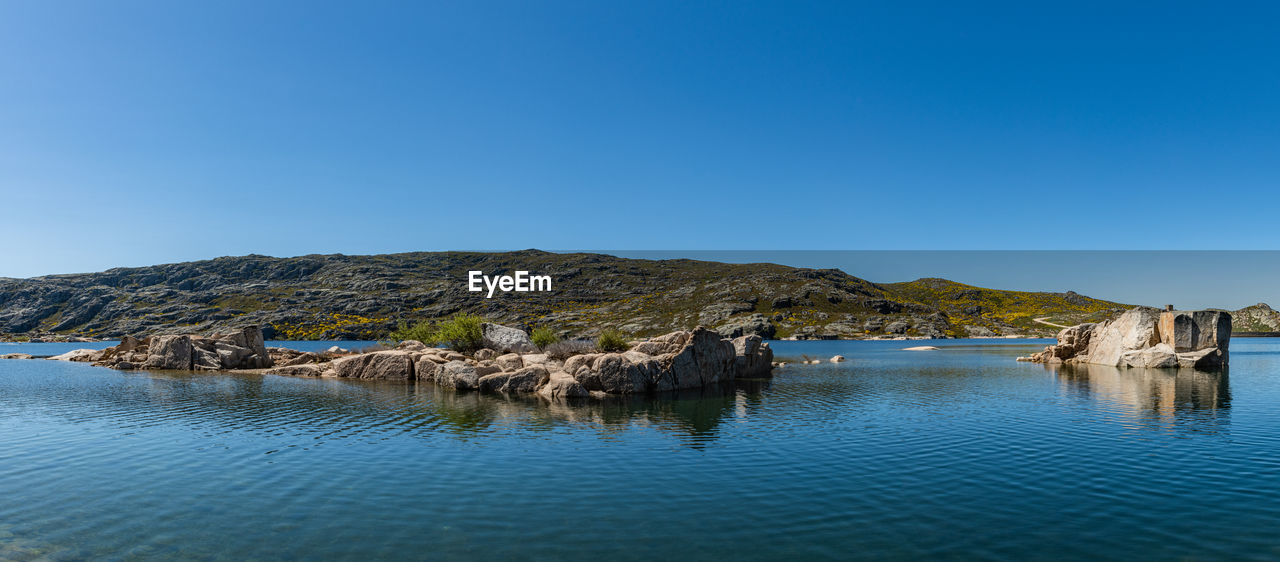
(142, 132)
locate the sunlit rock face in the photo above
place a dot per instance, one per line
(1148, 338)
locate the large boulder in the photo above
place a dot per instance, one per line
(128, 343)
(255, 341)
(1159, 356)
(707, 359)
(412, 345)
(425, 367)
(615, 374)
(509, 362)
(203, 358)
(1148, 338)
(170, 352)
(679, 360)
(458, 375)
(502, 338)
(561, 385)
(395, 365)
(527, 379)
(1204, 359)
(233, 356)
(1195, 330)
(1135, 329)
(664, 344)
(752, 357)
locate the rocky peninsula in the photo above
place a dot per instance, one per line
(1146, 337)
(508, 362)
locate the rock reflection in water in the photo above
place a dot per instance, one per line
(696, 414)
(1181, 399)
(314, 411)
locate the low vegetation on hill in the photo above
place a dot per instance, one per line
(368, 297)
(1256, 318)
(986, 312)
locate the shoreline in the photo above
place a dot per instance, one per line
(787, 339)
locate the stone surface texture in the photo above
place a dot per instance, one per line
(1147, 338)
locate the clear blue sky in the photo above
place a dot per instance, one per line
(134, 133)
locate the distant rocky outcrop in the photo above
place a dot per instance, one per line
(241, 349)
(1146, 337)
(1259, 318)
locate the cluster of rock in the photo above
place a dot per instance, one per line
(1146, 337)
(675, 361)
(679, 360)
(242, 349)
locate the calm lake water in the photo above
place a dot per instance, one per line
(960, 453)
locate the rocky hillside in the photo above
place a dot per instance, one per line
(338, 297)
(988, 312)
(1256, 318)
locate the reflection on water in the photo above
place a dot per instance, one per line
(956, 453)
(695, 414)
(1182, 399)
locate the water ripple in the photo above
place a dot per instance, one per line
(960, 453)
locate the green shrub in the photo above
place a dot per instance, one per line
(543, 336)
(612, 341)
(422, 331)
(461, 332)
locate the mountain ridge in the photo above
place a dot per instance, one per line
(335, 296)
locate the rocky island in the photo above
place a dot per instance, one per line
(1146, 337)
(508, 362)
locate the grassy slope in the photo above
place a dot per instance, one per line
(1001, 310)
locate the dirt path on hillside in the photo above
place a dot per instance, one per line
(1046, 323)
